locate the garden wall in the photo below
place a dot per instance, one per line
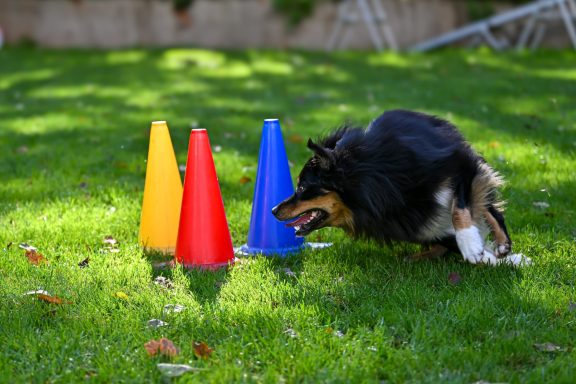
(208, 23)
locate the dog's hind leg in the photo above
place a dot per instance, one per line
(433, 252)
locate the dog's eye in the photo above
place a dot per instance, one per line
(300, 189)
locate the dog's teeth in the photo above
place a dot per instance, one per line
(297, 227)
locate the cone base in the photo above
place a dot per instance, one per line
(164, 250)
(210, 267)
(245, 250)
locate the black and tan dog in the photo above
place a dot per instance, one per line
(406, 177)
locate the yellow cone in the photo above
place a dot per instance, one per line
(162, 193)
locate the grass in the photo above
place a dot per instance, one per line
(73, 144)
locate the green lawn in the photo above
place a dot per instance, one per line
(73, 145)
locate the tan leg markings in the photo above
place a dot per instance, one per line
(461, 218)
(502, 242)
(435, 251)
(498, 233)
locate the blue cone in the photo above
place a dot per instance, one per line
(273, 184)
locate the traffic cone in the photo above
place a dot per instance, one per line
(203, 236)
(162, 193)
(267, 235)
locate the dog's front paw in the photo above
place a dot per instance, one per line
(471, 244)
(503, 249)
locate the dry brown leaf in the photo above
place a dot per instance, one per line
(295, 138)
(494, 144)
(202, 350)
(454, 278)
(244, 180)
(52, 299)
(152, 347)
(35, 257)
(163, 347)
(167, 348)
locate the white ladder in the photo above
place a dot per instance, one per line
(533, 12)
(371, 13)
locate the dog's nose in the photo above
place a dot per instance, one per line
(275, 210)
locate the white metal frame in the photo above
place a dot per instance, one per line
(371, 13)
(534, 27)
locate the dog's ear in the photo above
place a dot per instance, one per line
(325, 155)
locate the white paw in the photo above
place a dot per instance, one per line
(489, 258)
(471, 244)
(516, 260)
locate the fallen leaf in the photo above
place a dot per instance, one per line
(549, 347)
(110, 240)
(292, 333)
(52, 299)
(161, 347)
(202, 350)
(156, 323)
(38, 292)
(84, 263)
(164, 282)
(245, 180)
(35, 258)
(9, 245)
(168, 348)
(22, 149)
(288, 272)
(295, 138)
(90, 374)
(217, 148)
(494, 144)
(152, 347)
(27, 247)
(169, 308)
(120, 165)
(541, 204)
(454, 278)
(121, 295)
(175, 370)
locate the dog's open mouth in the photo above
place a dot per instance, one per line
(307, 221)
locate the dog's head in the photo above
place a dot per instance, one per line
(317, 202)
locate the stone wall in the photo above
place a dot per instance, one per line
(209, 23)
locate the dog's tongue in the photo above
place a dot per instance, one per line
(301, 220)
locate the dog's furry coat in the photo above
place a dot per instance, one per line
(406, 177)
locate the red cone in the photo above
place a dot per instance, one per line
(203, 236)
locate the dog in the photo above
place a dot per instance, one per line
(407, 177)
